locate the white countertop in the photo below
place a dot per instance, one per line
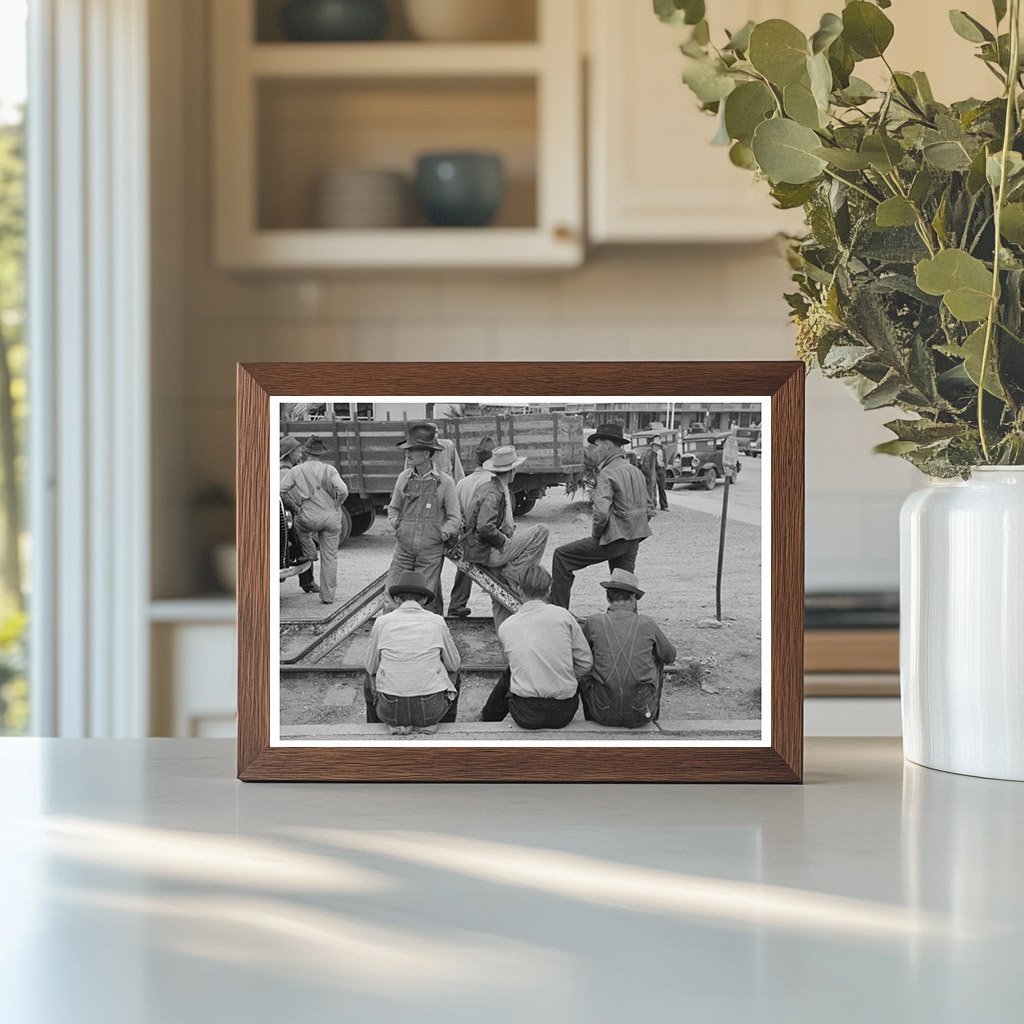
(142, 885)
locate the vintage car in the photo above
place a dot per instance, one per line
(699, 461)
(750, 441)
(292, 562)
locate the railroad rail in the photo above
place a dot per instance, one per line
(371, 601)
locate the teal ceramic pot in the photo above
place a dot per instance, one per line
(330, 21)
(460, 189)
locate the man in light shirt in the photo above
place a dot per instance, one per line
(291, 455)
(547, 656)
(412, 663)
(315, 491)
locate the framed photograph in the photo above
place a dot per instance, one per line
(560, 572)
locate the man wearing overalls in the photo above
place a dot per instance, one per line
(316, 492)
(424, 513)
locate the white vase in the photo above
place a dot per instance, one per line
(962, 624)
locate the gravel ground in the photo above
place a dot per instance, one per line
(676, 567)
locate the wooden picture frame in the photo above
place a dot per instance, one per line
(779, 760)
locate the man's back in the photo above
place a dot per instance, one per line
(546, 649)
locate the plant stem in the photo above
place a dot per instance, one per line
(855, 187)
(993, 309)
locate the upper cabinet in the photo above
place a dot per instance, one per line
(318, 144)
(653, 174)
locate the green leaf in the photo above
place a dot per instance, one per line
(896, 212)
(742, 155)
(778, 50)
(701, 33)
(789, 197)
(976, 174)
(1012, 224)
(921, 186)
(963, 281)
(679, 12)
(830, 28)
(820, 76)
(947, 156)
(707, 80)
(745, 108)
(968, 28)
(866, 29)
(858, 91)
(883, 153)
(739, 41)
(924, 88)
(841, 60)
(785, 152)
(895, 447)
(1014, 169)
(844, 159)
(971, 352)
(801, 106)
(923, 431)
(999, 6)
(885, 394)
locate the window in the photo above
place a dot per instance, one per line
(14, 704)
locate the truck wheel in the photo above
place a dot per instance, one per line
(709, 478)
(346, 527)
(524, 503)
(669, 484)
(362, 520)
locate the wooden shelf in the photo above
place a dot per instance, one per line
(393, 60)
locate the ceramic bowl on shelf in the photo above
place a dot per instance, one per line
(331, 21)
(361, 198)
(470, 20)
(460, 189)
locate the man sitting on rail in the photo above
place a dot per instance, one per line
(492, 537)
(424, 513)
(547, 653)
(315, 491)
(630, 653)
(458, 604)
(412, 663)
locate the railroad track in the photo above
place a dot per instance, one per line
(371, 601)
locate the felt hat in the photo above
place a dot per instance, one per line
(288, 445)
(315, 446)
(610, 432)
(411, 582)
(622, 579)
(421, 435)
(504, 460)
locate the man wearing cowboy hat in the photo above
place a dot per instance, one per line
(291, 455)
(621, 512)
(630, 653)
(424, 513)
(315, 490)
(446, 458)
(412, 663)
(492, 536)
(465, 489)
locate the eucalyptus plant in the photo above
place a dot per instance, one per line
(910, 278)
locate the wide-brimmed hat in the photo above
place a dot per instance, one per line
(504, 459)
(608, 431)
(314, 446)
(411, 582)
(288, 445)
(421, 435)
(623, 579)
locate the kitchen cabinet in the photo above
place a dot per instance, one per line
(286, 113)
(653, 175)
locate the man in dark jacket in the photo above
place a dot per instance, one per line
(622, 509)
(491, 536)
(630, 653)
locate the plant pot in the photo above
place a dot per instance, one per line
(334, 20)
(962, 624)
(470, 20)
(460, 189)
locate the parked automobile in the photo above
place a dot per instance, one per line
(749, 439)
(292, 562)
(699, 461)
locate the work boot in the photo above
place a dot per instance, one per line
(459, 613)
(310, 588)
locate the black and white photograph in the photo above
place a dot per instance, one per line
(518, 570)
